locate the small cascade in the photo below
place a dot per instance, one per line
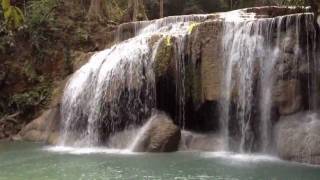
(139, 135)
(116, 88)
(254, 53)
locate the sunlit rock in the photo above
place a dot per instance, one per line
(297, 137)
(160, 135)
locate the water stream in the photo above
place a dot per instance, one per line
(255, 48)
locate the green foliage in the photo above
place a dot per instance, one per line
(41, 12)
(13, 15)
(27, 101)
(115, 10)
(291, 2)
(40, 20)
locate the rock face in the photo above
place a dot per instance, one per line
(287, 96)
(161, 135)
(297, 137)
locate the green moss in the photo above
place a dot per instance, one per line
(192, 27)
(164, 55)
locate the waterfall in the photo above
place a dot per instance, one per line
(116, 88)
(252, 48)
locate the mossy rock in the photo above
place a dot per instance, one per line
(192, 27)
(164, 56)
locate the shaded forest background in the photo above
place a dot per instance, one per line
(40, 39)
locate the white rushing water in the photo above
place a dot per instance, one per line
(116, 87)
(140, 135)
(252, 48)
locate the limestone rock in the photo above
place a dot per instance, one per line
(161, 136)
(287, 96)
(205, 47)
(298, 137)
(43, 129)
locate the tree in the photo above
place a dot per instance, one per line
(97, 10)
(136, 10)
(13, 15)
(161, 9)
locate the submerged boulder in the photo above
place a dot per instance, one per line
(160, 135)
(297, 137)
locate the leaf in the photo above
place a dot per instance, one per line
(13, 17)
(5, 4)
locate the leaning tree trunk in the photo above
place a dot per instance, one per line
(97, 10)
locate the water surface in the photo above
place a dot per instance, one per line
(21, 160)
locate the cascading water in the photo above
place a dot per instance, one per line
(116, 88)
(253, 47)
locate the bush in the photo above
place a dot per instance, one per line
(289, 2)
(7, 39)
(40, 19)
(13, 16)
(28, 101)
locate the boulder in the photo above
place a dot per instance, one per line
(43, 129)
(297, 137)
(160, 135)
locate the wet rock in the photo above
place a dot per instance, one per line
(164, 58)
(166, 75)
(205, 47)
(287, 96)
(273, 11)
(162, 135)
(43, 129)
(298, 137)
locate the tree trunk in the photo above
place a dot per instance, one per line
(161, 8)
(97, 10)
(136, 10)
(314, 7)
